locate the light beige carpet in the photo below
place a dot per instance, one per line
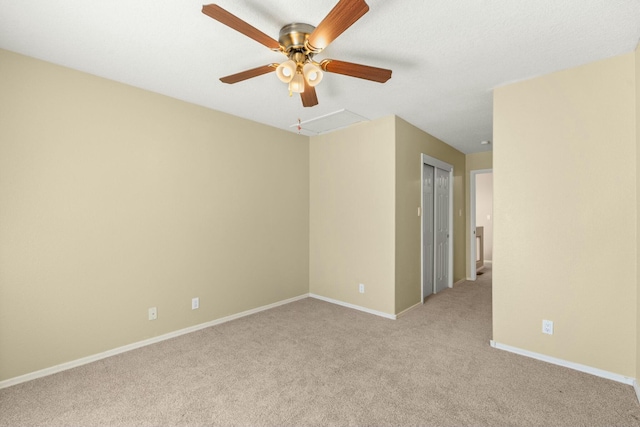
(315, 363)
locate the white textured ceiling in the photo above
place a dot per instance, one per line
(446, 55)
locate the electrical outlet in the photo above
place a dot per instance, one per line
(547, 327)
(153, 313)
(195, 303)
(361, 288)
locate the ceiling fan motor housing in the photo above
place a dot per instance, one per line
(292, 38)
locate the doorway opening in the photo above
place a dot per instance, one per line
(481, 221)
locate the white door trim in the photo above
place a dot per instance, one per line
(428, 160)
(472, 219)
(432, 161)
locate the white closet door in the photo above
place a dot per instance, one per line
(442, 229)
(428, 230)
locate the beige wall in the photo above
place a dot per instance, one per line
(565, 215)
(475, 161)
(411, 142)
(365, 194)
(352, 208)
(637, 64)
(113, 200)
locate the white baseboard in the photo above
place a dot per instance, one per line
(488, 262)
(402, 313)
(576, 366)
(89, 359)
(355, 307)
(460, 282)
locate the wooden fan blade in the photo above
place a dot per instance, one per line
(232, 21)
(375, 74)
(309, 97)
(342, 16)
(244, 75)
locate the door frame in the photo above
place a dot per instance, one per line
(431, 161)
(472, 220)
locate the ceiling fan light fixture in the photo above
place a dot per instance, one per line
(312, 74)
(286, 71)
(297, 83)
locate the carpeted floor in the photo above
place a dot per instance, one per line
(315, 363)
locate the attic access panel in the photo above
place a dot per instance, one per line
(329, 122)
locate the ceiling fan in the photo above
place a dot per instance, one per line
(300, 43)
